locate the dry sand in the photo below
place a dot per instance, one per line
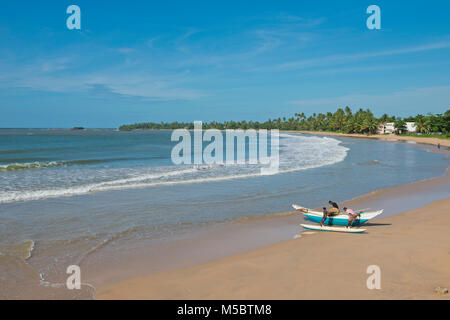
(424, 140)
(412, 250)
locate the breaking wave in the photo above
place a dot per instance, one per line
(49, 164)
(297, 152)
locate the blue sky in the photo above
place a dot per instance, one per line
(135, 61)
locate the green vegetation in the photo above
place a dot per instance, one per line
(343, 120)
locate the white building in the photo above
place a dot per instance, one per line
(411, 127)
(387, 127)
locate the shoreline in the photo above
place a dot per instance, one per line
(192, 283)
(210, 244)
(390, 137)
(410, 248)
(386, 195)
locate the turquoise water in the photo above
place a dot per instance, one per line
(76, 192)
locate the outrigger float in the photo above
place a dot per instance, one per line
(333, 229)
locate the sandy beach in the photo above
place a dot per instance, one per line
(231, 239)
(412, 250)
(201, 150)
(390, 137)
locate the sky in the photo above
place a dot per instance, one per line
(151, 61)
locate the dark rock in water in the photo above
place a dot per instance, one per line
(440, 290)
(77, 128)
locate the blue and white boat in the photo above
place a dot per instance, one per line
(337, 220)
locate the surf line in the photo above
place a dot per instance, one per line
(213, 153)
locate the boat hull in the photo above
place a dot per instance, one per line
(334, 221)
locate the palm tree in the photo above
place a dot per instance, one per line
(400, 126)
(422, 124)
(348, 112)
(370, 125)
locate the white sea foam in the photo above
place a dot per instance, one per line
(297, 152)
(31, 165)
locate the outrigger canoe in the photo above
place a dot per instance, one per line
(337, 220)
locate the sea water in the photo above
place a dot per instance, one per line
(67, 195)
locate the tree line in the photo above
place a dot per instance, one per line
(343, 120)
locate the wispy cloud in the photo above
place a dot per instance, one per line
(434, 98)
(352, 57)
(146, 71)
(289, 19)
(243, 48)
(151, 42)
(372, 68)
(300, 21)
(131, 85)
(58, 64)
(57, 76)
(183, 64)
(126, 50)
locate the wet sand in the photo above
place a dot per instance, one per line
(390, 137)
(249, 244)
(412, 250)
(216, 242)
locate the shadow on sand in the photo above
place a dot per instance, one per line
(369, 224)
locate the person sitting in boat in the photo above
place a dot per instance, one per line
(351, 216)
(334, 208)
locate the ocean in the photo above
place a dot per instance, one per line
(68, 195)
